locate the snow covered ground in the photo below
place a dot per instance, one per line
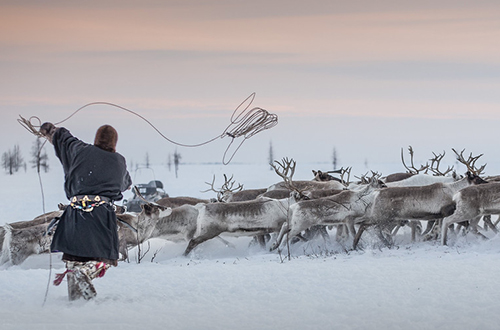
(414, 286)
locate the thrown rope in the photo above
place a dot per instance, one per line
(245, 123)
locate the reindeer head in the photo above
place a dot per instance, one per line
(226, 190)
(375, 182)
(474, 179)
(325, 176)
(148, 218)
(155, 210)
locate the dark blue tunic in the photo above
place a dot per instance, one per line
(89, 170)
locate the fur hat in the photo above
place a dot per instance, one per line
(106, 138)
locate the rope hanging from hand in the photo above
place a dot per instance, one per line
(245, 123)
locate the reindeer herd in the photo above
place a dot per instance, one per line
(293, 210)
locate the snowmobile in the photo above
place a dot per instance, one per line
(152, 192)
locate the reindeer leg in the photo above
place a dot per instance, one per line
(429, 227)
(396, 229)
(194, 242)
(387, 242)
(293, 233)
(324, 233)
(283, 231)
(122, 249)
(496, 222)
(416, 229)
(413, 227)
(447, 222)
(339, 233)
(474, 228)
(489, 223)
(351, 229)
(361, 229)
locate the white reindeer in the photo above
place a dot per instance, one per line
(304, 185)
(419, 176)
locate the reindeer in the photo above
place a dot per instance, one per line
(24, 238)
(417, 179)
(134, 229)
(316, 188)
(431, 202)
(178, 226)
(309, 185)
(248, 218)
(339, 209)
(420, 176)
(472, 203)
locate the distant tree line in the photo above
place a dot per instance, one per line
(13, 161)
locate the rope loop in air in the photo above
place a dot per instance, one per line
(245, 123)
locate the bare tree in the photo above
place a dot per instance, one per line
(18, 159)
(271, 156)
(39, 158)
(7, 162)
(177, 159)
(334, 158)
(147, 164)
(12, 160)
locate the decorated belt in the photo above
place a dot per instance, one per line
(88, 202)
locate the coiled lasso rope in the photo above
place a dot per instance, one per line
(245, 123)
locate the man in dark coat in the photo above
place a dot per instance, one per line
(95, 177)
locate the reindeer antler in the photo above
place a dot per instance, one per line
(412, 169)
(364, 179)
(375, 176)
(225, 189)
(435, 165)
(287, 165)
(470, 163)
(286, 169)
(343, 172)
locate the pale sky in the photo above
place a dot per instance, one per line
(364, 77)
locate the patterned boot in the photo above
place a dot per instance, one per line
(74, 292)
(80, 276)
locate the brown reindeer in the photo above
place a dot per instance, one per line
(472, 203)
(431, 202)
